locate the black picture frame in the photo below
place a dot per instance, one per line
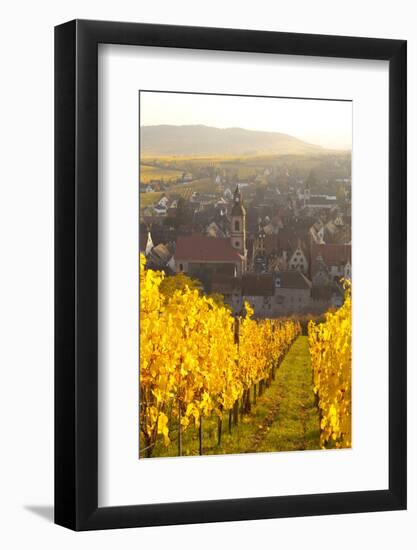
(76, 272)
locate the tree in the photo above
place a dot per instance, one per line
(178, 282)
(182, 216)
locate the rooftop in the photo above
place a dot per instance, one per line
(200, 248)
(332, 254)
(292, 279)
(257, 284)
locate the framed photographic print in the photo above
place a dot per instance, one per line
(230, 338)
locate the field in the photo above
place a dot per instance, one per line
(203, 185)
(147, 199)
(155, 173)
(326, 166)
(173, 167)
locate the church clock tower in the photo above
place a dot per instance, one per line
(238, 224)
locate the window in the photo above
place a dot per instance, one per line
(237, 225)
(237, 244)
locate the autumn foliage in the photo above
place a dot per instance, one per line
(196, 359)
(331, 360)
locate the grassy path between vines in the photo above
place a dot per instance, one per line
(284, 418)
(293, 424)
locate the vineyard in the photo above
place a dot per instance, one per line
(211, 382)
(149, 173)
(331, 360)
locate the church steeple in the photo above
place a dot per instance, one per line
(237, 209)
(238, 223)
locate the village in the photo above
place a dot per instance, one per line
(278, 241)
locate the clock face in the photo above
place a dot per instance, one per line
(237, 199)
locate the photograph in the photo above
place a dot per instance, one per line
(209, 305)
(245, 274)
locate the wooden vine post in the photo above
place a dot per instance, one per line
(179, 429)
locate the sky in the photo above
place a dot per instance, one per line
(321, 122)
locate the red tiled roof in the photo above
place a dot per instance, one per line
(199, 248)
(332, 254)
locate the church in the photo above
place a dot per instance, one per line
(204, 257)
(223, 266)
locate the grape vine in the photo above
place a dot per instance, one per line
(198, 360)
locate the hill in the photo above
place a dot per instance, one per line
(166, 140)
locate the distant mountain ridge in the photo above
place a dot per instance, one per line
(200, 140)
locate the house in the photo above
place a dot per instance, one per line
(285, 250)
(298, 259)
(342, 236)
(258, 290)
(317, 232)
(145, 189)
(163, 201)
(161, 207)
(255, 288)
(290, 241)
(270, 295)
(160, 210)
(330, 262)
(161, 257)
(292, 293)
(213, 230)
(202, 256)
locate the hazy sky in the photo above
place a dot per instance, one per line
(325, 123)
